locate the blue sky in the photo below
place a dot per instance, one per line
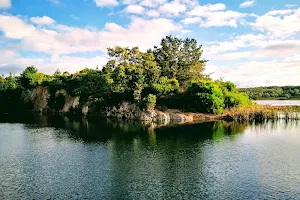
(250, 42)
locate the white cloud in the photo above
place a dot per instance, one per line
(249, 3)
(280, 48)
(7, 55)
(215, 15)
(135, 9)
(152, 3)
(227, 18)
(72, 64)
(14, 27)
(232, 56)
(5, 4)
(295, 58)
(279, 12)
(279, 22)
(186, 31)
(130, 1)
(290, 5)
(277, 60)
(61, 39)
(191, 20)
(42, 20)
(274, 50)
(172, 8)
(65, 40)
(264, 46)
(264, 73)
(206, 9)
(141, 32)
(238, 42)
(103, 3)
(153, 13)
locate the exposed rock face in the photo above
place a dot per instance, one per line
(85, 110)
(131, 111)
(70, 102)
(124, 110)
(38, 97)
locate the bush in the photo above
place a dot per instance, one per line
(213, 96)
(236, 99)
(150, 102)
(206, 96)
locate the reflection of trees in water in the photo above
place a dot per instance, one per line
(223, 129)
(273, 125)
(103, 130)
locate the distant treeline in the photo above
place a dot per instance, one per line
(273, 92)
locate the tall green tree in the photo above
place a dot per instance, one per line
(180, 59)
(10, 83)
(29, 77)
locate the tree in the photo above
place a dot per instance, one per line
(10, 82)
(92, 83)
(151, 70)
(166, 86)
(180, 59)
(57, 73)
(127, 70)
(29, 77)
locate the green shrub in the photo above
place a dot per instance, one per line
(213, 96)
(206, 96)
(236, 99)
(150, 102)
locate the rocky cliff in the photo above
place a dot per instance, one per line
(126, 110)
(40, 98)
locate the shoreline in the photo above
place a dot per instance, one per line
(158, 118)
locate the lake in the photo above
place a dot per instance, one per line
(279, 102)
(62, 158)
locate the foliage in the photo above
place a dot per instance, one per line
(150, 102)
(232, 97)
(9, 83)
(170, 75)
(166, 86)
(30, 77)
(273, 92)
(180, 59)
(206, 96)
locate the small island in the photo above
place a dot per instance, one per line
(162, 85)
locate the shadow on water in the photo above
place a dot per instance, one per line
(102, 130)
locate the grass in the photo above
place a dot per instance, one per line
(262, 112)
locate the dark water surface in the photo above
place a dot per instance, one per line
(59, 158)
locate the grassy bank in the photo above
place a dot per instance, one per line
(262, 112)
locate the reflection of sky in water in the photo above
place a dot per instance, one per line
(279, 102)
(121, 160)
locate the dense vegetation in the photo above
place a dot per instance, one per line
(274, 92)
(168, 76)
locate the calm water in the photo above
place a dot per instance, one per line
(60, 158)
(279, 102)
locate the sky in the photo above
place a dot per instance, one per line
(252, 42)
